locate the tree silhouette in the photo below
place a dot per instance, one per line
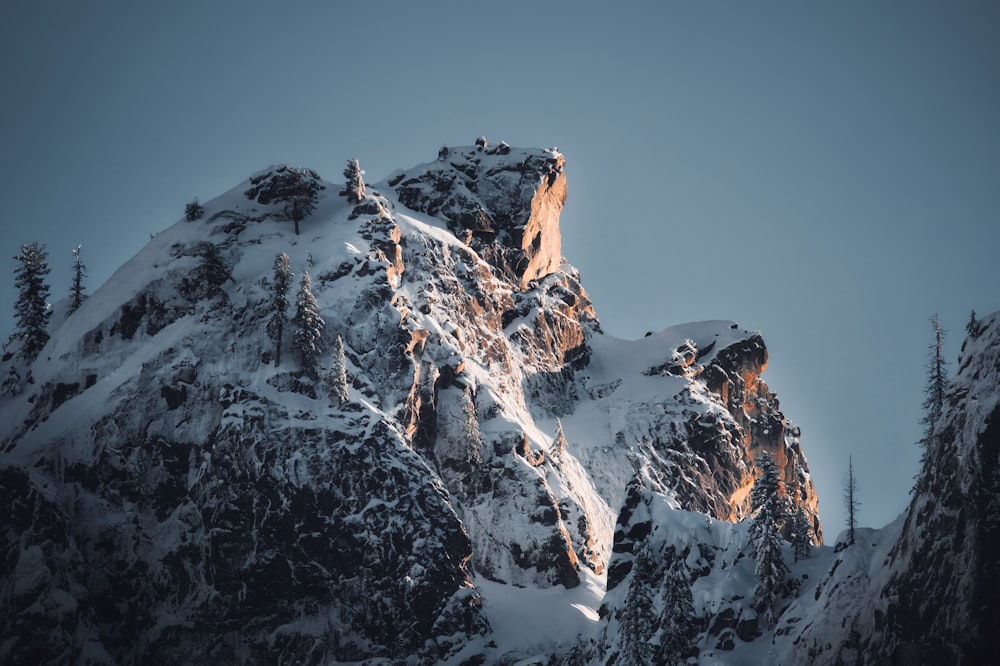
(278, 307)
(77, 297)
(851, 502)
(32, 309)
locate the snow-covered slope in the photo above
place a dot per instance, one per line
(177, 495)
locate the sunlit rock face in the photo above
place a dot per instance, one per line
(181, 494)
(504, 203)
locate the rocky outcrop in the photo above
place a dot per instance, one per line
(504, 203)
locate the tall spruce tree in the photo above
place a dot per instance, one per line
(309, 325)
(937, 385)
(851, 502)
(765, 539)
(678, 626)
(338, 373)
(354, 188)
(278, 307)
(77, 297)
(32, 309)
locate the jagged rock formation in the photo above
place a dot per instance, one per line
(178, 497)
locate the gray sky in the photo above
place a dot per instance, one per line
(828, 173)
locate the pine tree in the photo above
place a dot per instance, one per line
(354, 189)
(338, 374)
(32, 309)
(678, 627)
(279, 303)
(309, 327)
(77, 297)
(765, 538)
(193, 210)
(638, 616)
(972, 328)
(851, 502)
(937, 385)
(559, 441)
(801, 538)
(470, 430)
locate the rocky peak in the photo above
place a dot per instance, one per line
(492, 430)
(503, 202)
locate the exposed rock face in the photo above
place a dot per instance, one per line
(177, 497)
(505, 204)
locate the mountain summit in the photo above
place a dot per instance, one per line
(421, 449)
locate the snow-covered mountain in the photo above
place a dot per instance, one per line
(504, 482)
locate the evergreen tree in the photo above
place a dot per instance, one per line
(937, 385)
(470, 429)
(638, 616)
(765, 538)
(354, 189)
(338, 373)
(77, 297)
(278, 307)
(32, 309)
(678, 627)
(559, 441)
(972, 328)
(193, 210)
(851, 502)
(309, 327)
(801, 539)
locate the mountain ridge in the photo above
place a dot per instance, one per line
(182, 496)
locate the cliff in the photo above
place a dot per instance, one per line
(178, 494)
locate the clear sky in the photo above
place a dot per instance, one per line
(825, 172)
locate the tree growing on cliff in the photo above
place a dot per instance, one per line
(338, 373)
(972, 328)
(309, 325)
(678, 627)
(32, 309)
(470, 430)
(801, 539)
(77, 297)
(278, 307)
(937, 385)
(765, 539)
(354, 188)
(559, 441)
(851, 502)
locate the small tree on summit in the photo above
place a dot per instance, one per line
(354, 189)
(278, 308)
(193, 210)
(309, 327)
(766, 540)
(32, 309)
(77, 297)
(972, 328)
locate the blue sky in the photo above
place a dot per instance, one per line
(828, 173)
